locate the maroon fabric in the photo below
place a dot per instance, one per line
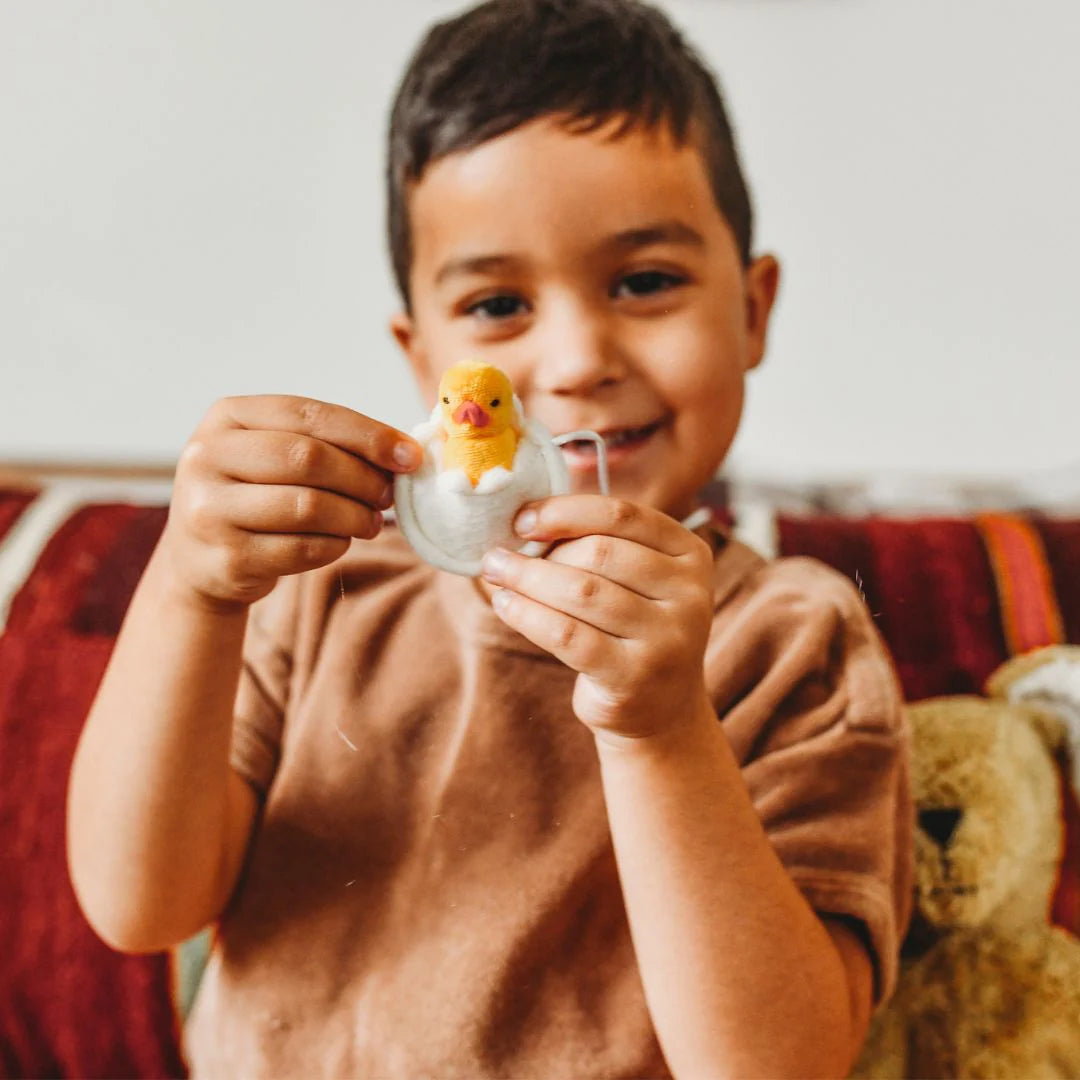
(12, 504)
(69, 1005)
(1061, 539)
(929, 586)
(1065, 906)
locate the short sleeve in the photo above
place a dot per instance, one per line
(812, 709)
(262, 694)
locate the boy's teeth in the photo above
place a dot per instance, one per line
(613, 438)
(619, 437)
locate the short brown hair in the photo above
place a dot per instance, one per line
(504, 63)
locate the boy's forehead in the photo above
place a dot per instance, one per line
(549, 187)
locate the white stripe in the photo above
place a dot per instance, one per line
(21, 548)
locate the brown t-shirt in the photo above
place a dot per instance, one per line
(432, 891)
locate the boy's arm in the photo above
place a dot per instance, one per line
(269, 486)
(735, 963)
(157, 821)
(741, 975)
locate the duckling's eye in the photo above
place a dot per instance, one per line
(446, 401)
(495, 403)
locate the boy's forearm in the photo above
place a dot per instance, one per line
(150, 797)
(740, 975)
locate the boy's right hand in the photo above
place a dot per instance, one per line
(271, 485)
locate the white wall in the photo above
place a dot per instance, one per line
(191, 206)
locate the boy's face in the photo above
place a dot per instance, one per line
(600, 275)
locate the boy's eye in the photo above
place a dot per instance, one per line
(646, 282)
(501, 306)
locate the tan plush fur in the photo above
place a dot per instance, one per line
(988, 988)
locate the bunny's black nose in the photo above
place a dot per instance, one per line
(940, 823)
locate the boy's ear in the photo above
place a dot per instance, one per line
(403, 327)
(762, 282)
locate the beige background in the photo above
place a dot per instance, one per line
(191, 206)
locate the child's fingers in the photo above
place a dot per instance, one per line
(218, 509)
(284, 457)
(382, 445)
(586, 597)
(634, 566)
(581, 647)
(565, 516)
(279, 508)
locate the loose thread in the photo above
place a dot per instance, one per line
(345, 738)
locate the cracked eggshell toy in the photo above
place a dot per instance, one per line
(482, 462)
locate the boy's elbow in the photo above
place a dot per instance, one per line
(825, 1042)
(129, 931)
(126, 938)
(127, 923)
(826, 1058)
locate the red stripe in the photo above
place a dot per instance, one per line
(12, 504)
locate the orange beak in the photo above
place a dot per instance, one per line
(468, 412)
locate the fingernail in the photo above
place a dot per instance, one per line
(407, 454)
(495, 563)
(525, 522)
(500, 598)
(386, 497)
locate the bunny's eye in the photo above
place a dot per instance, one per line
(495, 403)
(446, 401)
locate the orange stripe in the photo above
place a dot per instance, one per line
(1030, 615)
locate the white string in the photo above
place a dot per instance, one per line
(696, 519)
(601, 454)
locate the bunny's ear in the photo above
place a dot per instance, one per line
(1047, 680)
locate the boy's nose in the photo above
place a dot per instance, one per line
(471, 413)
(579, 356)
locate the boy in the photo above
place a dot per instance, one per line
(638, 808)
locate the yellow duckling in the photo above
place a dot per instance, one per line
(480, 424)
(483, 460)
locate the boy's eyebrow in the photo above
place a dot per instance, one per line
(660, 232)
(476, 264)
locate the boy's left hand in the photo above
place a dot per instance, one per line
(625, 599)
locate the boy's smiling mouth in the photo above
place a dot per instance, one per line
(620, 443)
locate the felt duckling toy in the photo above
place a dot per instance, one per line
(482, 462)
(481, 428)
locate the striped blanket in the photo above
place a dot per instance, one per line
(953, 597)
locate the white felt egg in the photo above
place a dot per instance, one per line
(450, 523)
